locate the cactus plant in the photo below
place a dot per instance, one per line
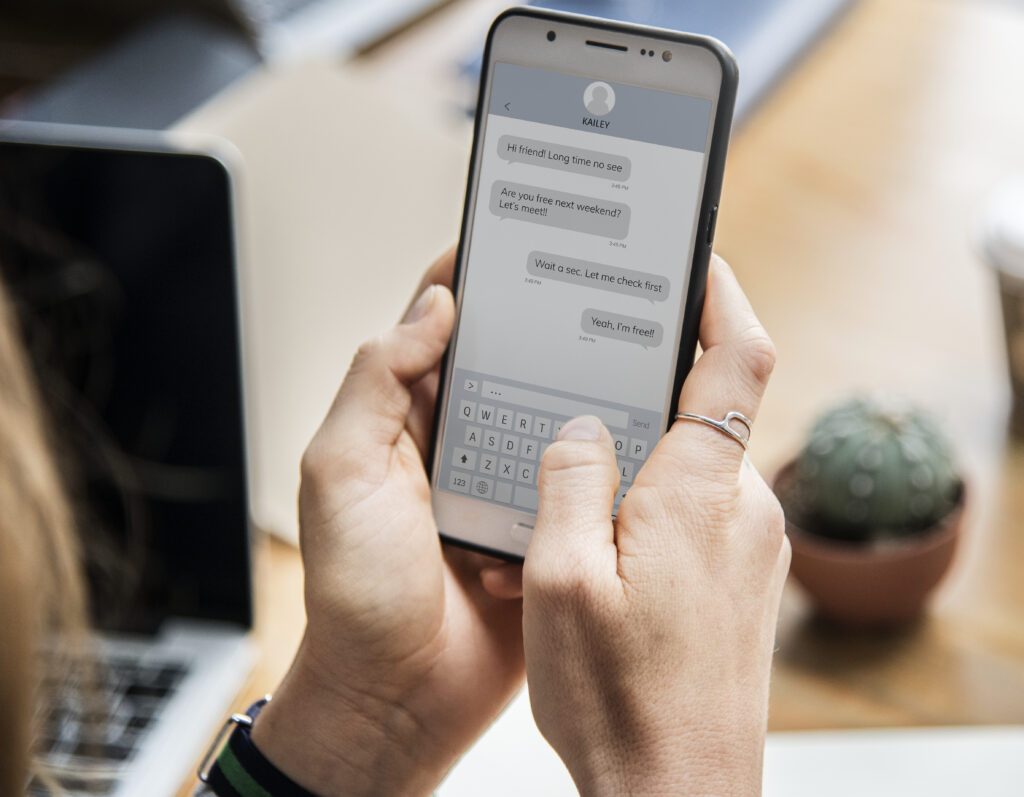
(873, 468)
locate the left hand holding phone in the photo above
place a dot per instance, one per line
(649, 641)
(411, 650)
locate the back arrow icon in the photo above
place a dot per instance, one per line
(507, 104)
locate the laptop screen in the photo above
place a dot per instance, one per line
(121, 268)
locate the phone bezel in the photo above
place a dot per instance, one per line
(679, 76)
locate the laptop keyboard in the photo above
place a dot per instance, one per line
(90, 734)
(497, 432)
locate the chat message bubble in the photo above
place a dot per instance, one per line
(567, 159)
(559, 209)
(597, 275)
(640, 331)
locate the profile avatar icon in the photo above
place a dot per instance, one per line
(599, 98)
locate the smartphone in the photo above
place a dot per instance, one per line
(580, 274)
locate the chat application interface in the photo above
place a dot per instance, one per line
(577, 267)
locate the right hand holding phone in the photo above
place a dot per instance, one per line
(649, 639)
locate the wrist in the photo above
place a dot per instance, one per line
(712, 759)
(336, 740)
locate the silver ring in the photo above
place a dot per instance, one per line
(724, 425)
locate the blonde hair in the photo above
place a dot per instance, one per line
(41, 583)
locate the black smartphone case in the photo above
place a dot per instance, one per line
(708, 210)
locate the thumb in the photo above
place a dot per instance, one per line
(577, 484)
(372, 406)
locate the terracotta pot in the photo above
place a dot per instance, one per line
(874, 584)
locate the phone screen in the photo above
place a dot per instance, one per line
(576, 272)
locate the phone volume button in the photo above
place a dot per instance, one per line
(712, 220)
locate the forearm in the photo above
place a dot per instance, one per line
(334, 742)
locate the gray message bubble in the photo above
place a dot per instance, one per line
(559, 209)
(567, 159)
(640, 331)
(597, 275)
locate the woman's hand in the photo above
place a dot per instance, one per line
(410, 650)
(649, 640)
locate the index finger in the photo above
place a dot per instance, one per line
(730, 376)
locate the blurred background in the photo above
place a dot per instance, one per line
(873, 210)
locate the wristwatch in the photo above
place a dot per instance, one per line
(240, 769)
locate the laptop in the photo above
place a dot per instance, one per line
(167, 61)
(118, 251)
(291, 30)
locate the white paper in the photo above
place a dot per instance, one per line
(512, 759)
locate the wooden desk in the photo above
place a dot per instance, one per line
(848, 211)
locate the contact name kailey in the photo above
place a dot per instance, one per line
(590, 121)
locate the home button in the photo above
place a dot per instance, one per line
(521, 533)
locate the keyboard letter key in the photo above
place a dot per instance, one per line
(473, 435)
(541, 427)
(485, 414)
(638, 448)
(467, 410)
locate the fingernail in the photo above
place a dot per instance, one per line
(422, 306)
(586, 427)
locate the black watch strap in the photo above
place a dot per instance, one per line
(241, 770)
